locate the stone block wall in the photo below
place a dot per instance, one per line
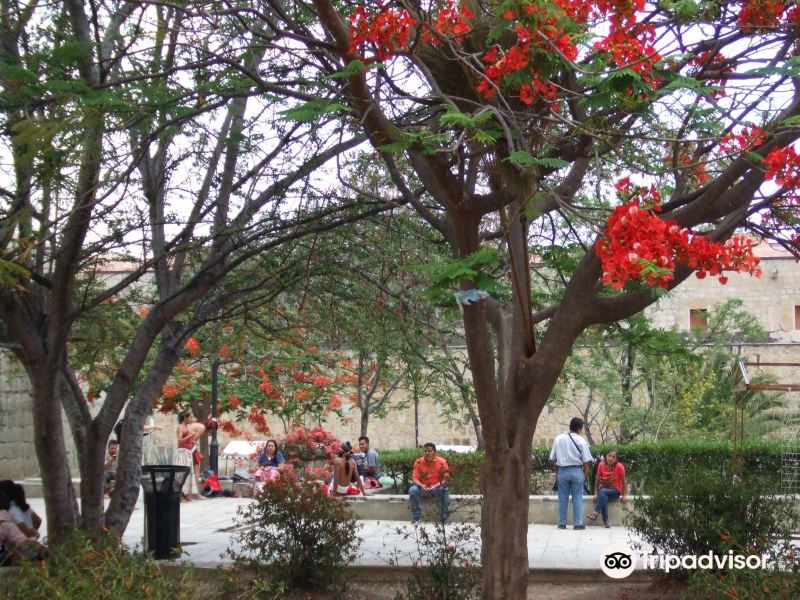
(17, 454)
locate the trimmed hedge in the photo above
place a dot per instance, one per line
(644, 462)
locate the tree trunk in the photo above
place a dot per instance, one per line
(364, 423)
(476, 426)
(61, 505)
(504, 522)
(92, 467)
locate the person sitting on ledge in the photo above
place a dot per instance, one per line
(345, 472)
(367, 459)
(609, 484)
(12, 539)
(22, 513)
(429, 476)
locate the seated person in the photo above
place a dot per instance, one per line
(22, 513)
(12, 539)
(345, 472)
(110, 466)
(271, 463)
(367, 459)
(429, 476)
(609, 484)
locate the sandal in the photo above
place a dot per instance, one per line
(592, 516)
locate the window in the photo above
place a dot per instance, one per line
(698, 319)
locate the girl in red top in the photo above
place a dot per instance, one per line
(609, 484)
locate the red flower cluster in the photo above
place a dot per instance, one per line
(234, 401)
(747, 139)
(267, 387)
(541, 33)
(630, 45)
(258, 420)
(385, 33)
(230, 428)
(193, 346)
(450, 23)
(310, 444)
(716, 63)
(783, 167)
(167, 407)
(758, 14)
(637, 244)
(335, 403)
(698, 176)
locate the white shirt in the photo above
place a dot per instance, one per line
(566, 454)
(21, 516)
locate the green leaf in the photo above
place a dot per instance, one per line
(311, 111)
(72, 52)
(754, 156)
(354, 67)
(455, 117)
(521, 157)
(487, 136)
(552, 163)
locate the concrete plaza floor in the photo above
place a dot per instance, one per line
(210, 527)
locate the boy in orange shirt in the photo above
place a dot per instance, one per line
(429, 476)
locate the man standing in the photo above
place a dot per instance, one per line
(368, 462)
(429, 476)
(571, 457)
(110, 466)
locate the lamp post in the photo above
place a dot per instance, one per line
(213, 458)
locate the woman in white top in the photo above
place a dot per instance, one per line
(22, 513)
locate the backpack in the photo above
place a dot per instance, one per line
(212, 487)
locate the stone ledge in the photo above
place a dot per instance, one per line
(467, 509)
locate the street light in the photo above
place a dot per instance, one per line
(213, 458)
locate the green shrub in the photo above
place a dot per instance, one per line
(297, 536)
(693, 511)
(445, 565)
(749, 584)
(649, 463)
(80, 566)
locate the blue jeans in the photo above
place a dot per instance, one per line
(570, 483)
(415, 494)
(601, 504)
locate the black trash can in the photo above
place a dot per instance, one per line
(162, 508)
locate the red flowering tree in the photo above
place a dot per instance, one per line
(512, 120)
(286, 377)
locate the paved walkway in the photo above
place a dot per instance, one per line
(210, 527)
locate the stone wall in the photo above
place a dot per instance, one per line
(773, 298)
(17, 454)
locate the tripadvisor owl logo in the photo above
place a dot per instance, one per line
(617, 561)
